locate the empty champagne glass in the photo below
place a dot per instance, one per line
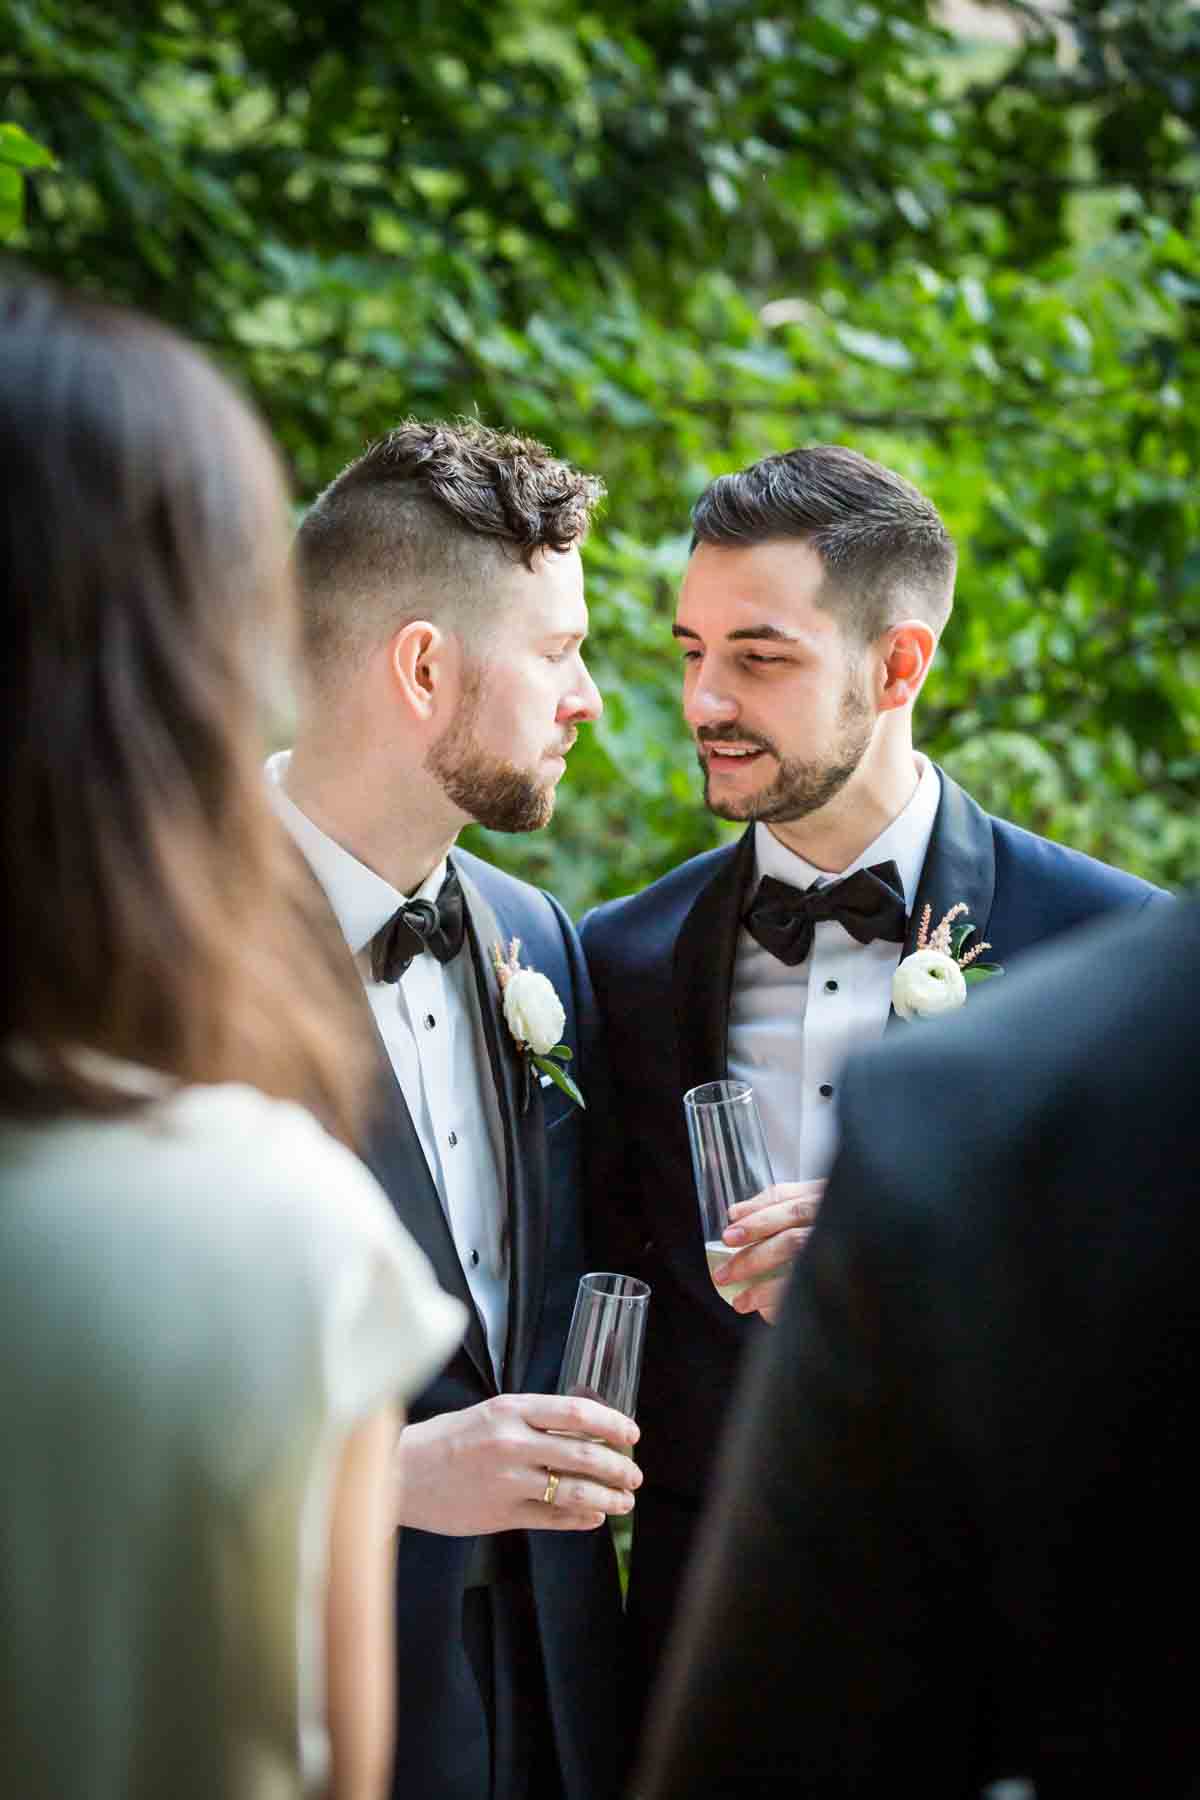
(603, 1357)
(729, 1157)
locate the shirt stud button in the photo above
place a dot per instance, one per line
(831, 987)
(454, 1134)
(474, 1259)
(430, 1021)
(826, 1090)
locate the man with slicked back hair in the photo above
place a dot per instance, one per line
(818, 586)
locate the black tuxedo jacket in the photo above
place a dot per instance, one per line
(440, 1750)
(953, 1537)
(662, 965)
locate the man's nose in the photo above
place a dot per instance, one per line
(584, 700)
(705, 704)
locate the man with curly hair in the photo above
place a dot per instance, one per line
(444, 616)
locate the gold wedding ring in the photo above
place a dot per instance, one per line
(548, 1497)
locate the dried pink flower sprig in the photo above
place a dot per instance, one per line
(943, 936)
(508, 966)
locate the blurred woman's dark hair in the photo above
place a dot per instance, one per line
(154, 910)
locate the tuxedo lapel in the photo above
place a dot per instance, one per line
(394, 1156)
(960, 865)
(526, 1175)
(702, 974)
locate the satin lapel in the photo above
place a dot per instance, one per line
(394, 1155)
(960, 865)
(526, 1173)
(702, 974)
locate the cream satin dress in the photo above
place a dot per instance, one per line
(197, 1303)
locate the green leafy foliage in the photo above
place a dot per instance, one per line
(18, 153)
(671, 236)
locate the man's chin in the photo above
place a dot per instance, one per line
(737, 812)
(516, 813)
(539, 819)
(735, 807)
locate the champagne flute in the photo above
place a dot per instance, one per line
(603, 1357)
(729, 1157)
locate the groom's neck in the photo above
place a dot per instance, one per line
(398, 828)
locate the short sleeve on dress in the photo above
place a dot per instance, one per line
(390, 1326)
(384, 1322)
(367, 1320)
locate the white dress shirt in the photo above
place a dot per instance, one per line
(431, 1027)
(791, 1029)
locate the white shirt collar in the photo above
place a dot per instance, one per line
(905, 842)
(361, 900)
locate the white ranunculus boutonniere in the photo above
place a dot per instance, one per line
(534, 1015)
(934, 978)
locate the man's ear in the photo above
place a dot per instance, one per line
(907, 653)
(419, 661)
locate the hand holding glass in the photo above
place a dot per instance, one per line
(729, 1157)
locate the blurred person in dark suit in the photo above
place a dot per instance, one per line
(953, 1536)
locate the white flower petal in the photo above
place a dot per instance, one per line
(534, 1011)
(927, 983)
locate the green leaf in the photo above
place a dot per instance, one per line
(563, 1052)
(958, 936)
(870, 346)
(10, 200)
(982, 971)
(20, 151)
(559, 1077)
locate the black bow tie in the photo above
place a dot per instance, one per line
(420, 925)
(869, 903)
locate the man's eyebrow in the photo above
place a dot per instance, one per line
(773, 634)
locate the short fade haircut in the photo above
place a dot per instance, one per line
(887, 556)
(417, 526)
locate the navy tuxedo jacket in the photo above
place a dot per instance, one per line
(440, 1750)
(662, 965)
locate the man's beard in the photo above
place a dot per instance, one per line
(494, 792)
(800, 787)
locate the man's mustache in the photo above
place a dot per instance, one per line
(725, 734)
